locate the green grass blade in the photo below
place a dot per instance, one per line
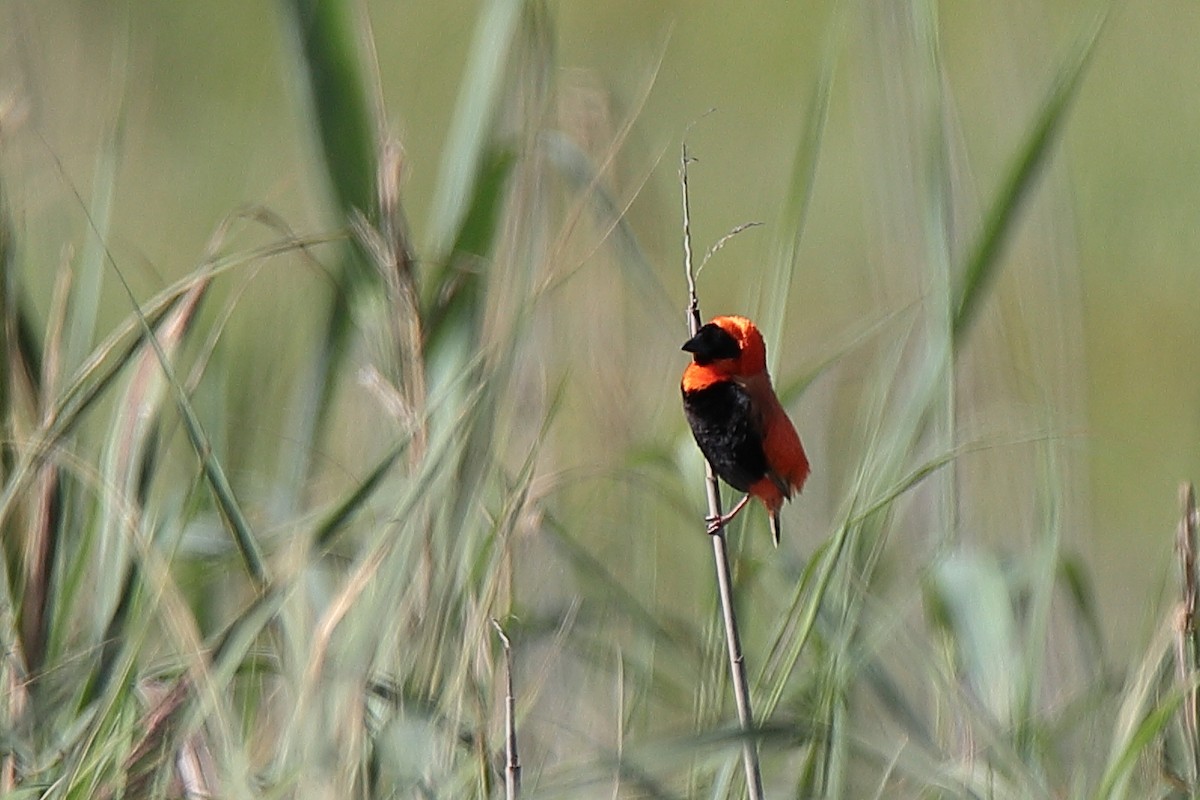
(471, 129)
(89, 274)
(792, 219)
(338, 517)
(818, 577)
(114, 644)
(1144, 736)
(329, 45)
(1141, 715)
(95, 376)
(9, 321)
(227, 504)
(43, 538)
(105, 363)
(983, 260)
(456, 293)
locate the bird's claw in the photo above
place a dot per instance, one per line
(714, 524)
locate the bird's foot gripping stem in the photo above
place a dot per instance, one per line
(715, 523)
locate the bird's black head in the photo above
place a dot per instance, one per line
(712, 343)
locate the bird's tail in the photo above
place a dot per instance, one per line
(774, 515)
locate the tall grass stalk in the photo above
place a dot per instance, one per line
(737, 661)
(512, 761)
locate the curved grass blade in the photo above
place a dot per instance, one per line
(98, 372)
(1142, 737)
(983, 260)
(227, 504)
(611, 217)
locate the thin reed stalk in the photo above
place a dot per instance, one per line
(512, 761)
(1187, 639)
(737, 662)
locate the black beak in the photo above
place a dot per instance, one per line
(692, 345)
(711, 343)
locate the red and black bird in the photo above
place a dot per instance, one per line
(738, 421)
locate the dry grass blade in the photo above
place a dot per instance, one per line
(712, 251)
(328, 43)
(42, 543)
(610, 214)
(194, 769)
(14, 664)
(129, 456)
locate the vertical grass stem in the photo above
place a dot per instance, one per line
(512, 762)
(1187, 639)
(737, 663)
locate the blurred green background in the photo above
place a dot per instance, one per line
(209, 121)
(1089, 337)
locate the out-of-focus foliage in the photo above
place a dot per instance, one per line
(332, 332)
